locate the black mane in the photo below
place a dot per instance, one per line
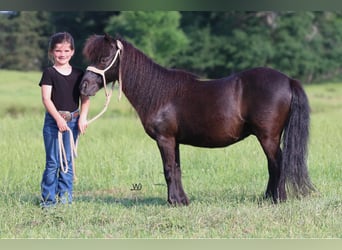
(144, 79)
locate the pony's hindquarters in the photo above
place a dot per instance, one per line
(294, 172)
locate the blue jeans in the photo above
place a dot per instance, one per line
(55, 182)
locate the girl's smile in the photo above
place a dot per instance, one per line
(62, 54)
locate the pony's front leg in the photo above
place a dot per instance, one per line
(169, 151)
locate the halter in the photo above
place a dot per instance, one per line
(102, 73)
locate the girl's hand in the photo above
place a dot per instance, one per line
(82, 125)
(62, 124)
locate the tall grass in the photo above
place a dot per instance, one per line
(225, 186)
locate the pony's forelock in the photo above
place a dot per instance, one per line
(91, 48)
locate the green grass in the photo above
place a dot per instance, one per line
(225, 186)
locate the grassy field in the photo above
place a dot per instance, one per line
(225, 186)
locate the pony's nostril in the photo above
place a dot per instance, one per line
(83, 87)
(85, 84)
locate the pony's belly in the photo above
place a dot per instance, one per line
(209, 142)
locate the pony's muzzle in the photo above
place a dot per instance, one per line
(85, 88)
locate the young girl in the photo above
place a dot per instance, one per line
(60, 96)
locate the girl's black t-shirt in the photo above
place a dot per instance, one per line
(65, 88)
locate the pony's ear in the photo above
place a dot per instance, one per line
(108, 37)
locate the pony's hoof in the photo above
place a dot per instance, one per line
(179, 202)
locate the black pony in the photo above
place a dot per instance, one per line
(176, 107)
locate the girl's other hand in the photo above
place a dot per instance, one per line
(82, 125)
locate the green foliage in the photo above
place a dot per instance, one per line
(292, 42)
(21, 40)
(305, 45)
(295, 40)
(329, 47)
(156, 33)
(229, 42)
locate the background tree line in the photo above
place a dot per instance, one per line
(304, 45)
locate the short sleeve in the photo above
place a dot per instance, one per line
(46, 78)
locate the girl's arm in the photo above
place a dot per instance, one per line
(82, 122)
(50, 107)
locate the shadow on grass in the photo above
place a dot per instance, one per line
(126, 202)
(227, 197)
(137, 199)
(87, 197)
(231, 199)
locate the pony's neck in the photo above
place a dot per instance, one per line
(144, 82)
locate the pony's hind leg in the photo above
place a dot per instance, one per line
(169, 151)
(275, 188)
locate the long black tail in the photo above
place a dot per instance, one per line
(295, 144)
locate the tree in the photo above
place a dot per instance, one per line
(329, 33)
(225, 42)
(294, 40)
(250, 43)
(21, 40)
(156, 33)
(304, 45)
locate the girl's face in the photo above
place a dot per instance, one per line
(62, 53)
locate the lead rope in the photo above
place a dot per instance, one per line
(62, 153)
(108, 95)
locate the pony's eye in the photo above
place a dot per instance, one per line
(103, 60)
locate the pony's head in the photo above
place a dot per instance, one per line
(101, 52)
